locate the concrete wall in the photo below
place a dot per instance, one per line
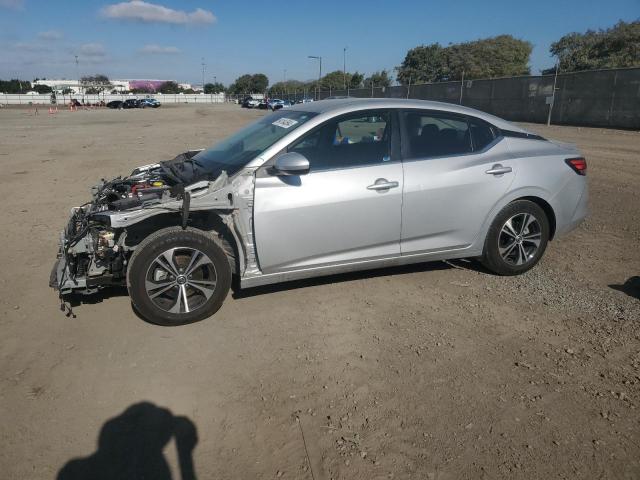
(45, 99)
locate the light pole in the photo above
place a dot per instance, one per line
(215, 84)
(203, 65)
(553, 94)
(285, 82)
(344, 66)
(78, 73)
(319, 73)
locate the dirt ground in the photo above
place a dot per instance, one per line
(435, 371)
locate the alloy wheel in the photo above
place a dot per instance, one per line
(520, 239)
(180, 280)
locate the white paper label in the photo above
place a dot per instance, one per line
(285, 122)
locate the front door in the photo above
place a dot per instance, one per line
(347, 208)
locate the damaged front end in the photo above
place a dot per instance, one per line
(100, 236)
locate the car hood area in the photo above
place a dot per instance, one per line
(151, 184)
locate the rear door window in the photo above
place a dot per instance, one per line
(435, 134)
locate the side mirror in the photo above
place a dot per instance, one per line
(292, 163)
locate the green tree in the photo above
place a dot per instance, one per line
(615, 47)
(214, 87)
(169, 88)
(95, 83)
(42, 88)
(498, 56)
(242, 84)
(290, 87)
(259, 82)
(247, 83)
(14, 86)
(378, 79)
(336, 80)
(422, 64)
(355, 80)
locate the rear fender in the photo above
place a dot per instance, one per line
(511, 196)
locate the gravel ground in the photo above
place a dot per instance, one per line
(434, 371)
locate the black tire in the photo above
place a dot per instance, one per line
(146, 265)
(511, 249)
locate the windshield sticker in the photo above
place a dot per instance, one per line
(285, 122)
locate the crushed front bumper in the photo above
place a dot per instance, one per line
(56, 273)
(61, 279)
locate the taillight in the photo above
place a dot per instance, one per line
(578, 165)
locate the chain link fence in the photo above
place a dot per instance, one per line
(599, 98)
(98, 98)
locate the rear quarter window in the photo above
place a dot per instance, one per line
(482, 134)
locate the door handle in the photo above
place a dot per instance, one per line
(382, 184)
(498, 169)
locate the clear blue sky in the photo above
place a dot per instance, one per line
(166, 39)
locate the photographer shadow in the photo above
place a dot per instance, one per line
(631, 287)
(130, 446)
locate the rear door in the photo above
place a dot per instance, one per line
(347, 208)
(455, 170)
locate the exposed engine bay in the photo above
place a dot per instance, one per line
(101, 235)
(147, 184)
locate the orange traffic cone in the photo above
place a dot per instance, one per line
(51, 112)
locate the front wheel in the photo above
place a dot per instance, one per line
(178, 276)
(516, 239)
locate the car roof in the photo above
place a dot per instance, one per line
(346, 105)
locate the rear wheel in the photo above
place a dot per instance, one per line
(178, 276)
(516, 239)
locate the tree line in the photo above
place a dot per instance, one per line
(16, 85)
(499, 56)
(504, 55)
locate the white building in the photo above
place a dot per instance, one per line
(119, 86)
(58, 86)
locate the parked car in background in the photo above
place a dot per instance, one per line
(275, 103)
(149, 102)
(320, 189)
(304, 100)
(282, 104)
(263, 104)
(115, 104)
(131, 103)
(250, 102)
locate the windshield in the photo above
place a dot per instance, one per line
(234, 152)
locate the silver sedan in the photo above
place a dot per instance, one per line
(323, 188)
